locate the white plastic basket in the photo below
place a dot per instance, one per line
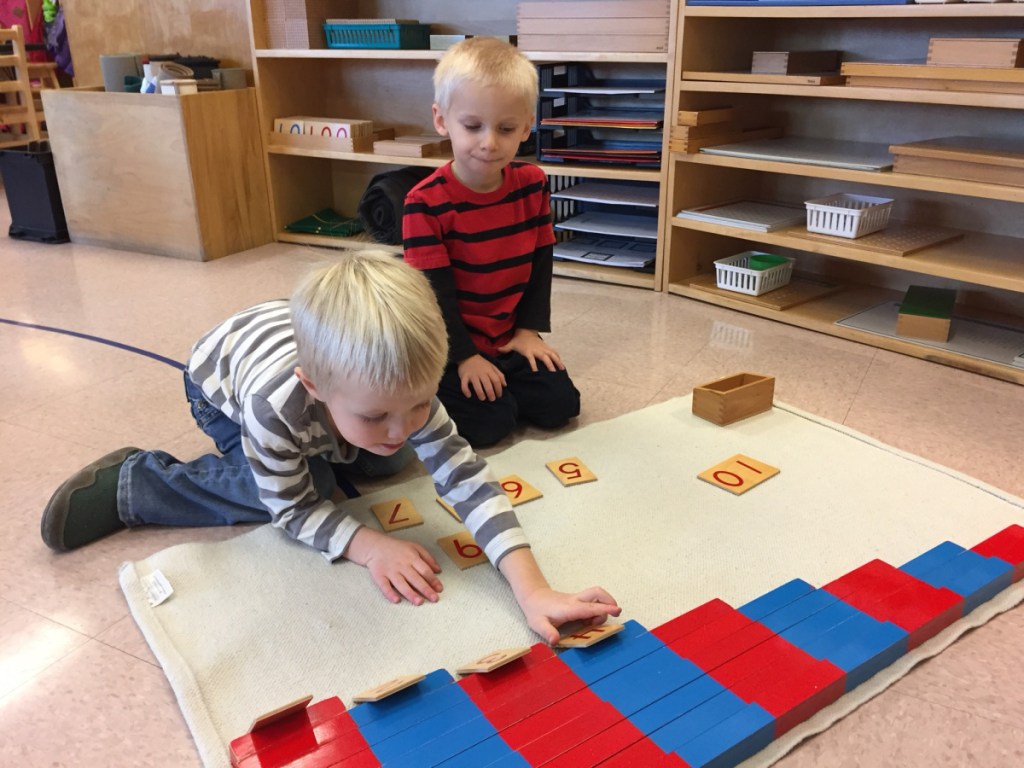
(847, 215)
(733, 274)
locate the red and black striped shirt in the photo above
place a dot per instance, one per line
(495, 245)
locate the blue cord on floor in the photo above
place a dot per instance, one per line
(346, 486)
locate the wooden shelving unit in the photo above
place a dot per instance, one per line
(986, 265)
(393, 88)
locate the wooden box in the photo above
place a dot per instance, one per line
(638, 26)
(296, 23)
(794, 62)
(735, 397)
(179, 176)
(926, 313)
(975, 52)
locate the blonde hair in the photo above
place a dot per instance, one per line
(485, 61)
(370, 318)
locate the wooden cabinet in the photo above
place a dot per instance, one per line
(393, 89)
(985, 265)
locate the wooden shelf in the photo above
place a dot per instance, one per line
(881, 178)
(915, 95)
(393, 88)
(821, 315)
(431, 55)
(979, 258)
(985, 264)
(875, 12)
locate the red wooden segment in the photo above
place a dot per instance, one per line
(608, 742)
(645, 754)
(722, 640)
(518, 735)
(774, 653)
(795, 694)
(1007, 545)
(597, 718)
(494, 687)
(350, 753)
(520, 707)
(692, 620)
(285, 741)
(886, 593)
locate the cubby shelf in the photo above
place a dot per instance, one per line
(393, 88)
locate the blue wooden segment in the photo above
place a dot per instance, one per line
(389, 750)
(646, 680)
(429, 753)
(977, 579)
(486, 752)
(703, 717)
(860, 646)
(933, 558)
(399, 704)
(812, 627)
(415, 711)
(778, 598)
(731, 741)
(798, 610)
(676, 704)
(608, 656)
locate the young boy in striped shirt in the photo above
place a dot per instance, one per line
(346, 370)
(480, 227)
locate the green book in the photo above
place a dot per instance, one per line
(326, 222)
(928, 302)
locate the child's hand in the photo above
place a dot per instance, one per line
(546, 610)
(530, 345)
(481, 377)
(401, 568)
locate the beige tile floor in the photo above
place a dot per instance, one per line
(78, 684)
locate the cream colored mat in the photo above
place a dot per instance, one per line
(257, 621)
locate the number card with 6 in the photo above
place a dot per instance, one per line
(518, 490)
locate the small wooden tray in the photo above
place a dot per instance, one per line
(807, 78)
(894, 240)
(798, 291)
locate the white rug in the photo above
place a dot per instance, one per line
(258, 620)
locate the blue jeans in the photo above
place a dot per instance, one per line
(216, 489)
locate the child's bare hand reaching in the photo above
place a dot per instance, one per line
(546, 610)
(400, 568)
(530, 345)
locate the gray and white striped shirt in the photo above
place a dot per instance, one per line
(245, 367)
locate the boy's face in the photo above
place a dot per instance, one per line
(486, 126)
(372, 421)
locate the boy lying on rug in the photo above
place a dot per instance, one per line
(345, 373)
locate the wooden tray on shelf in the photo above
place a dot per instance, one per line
(895, 240)
(799, 290)
(807, 78)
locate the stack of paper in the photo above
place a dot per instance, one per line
(762, 217)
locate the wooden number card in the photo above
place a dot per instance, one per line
(493, 660)
(463, 551)
(448, 508)
(587, 637)
(738, 474)
(571, 471)
(518, 490)
(396, 514)
(386, 689)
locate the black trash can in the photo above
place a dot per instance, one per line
(30, 182)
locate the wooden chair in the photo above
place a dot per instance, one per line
(41, 75)
(17, 104)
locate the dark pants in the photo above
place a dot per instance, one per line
(543, 398)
